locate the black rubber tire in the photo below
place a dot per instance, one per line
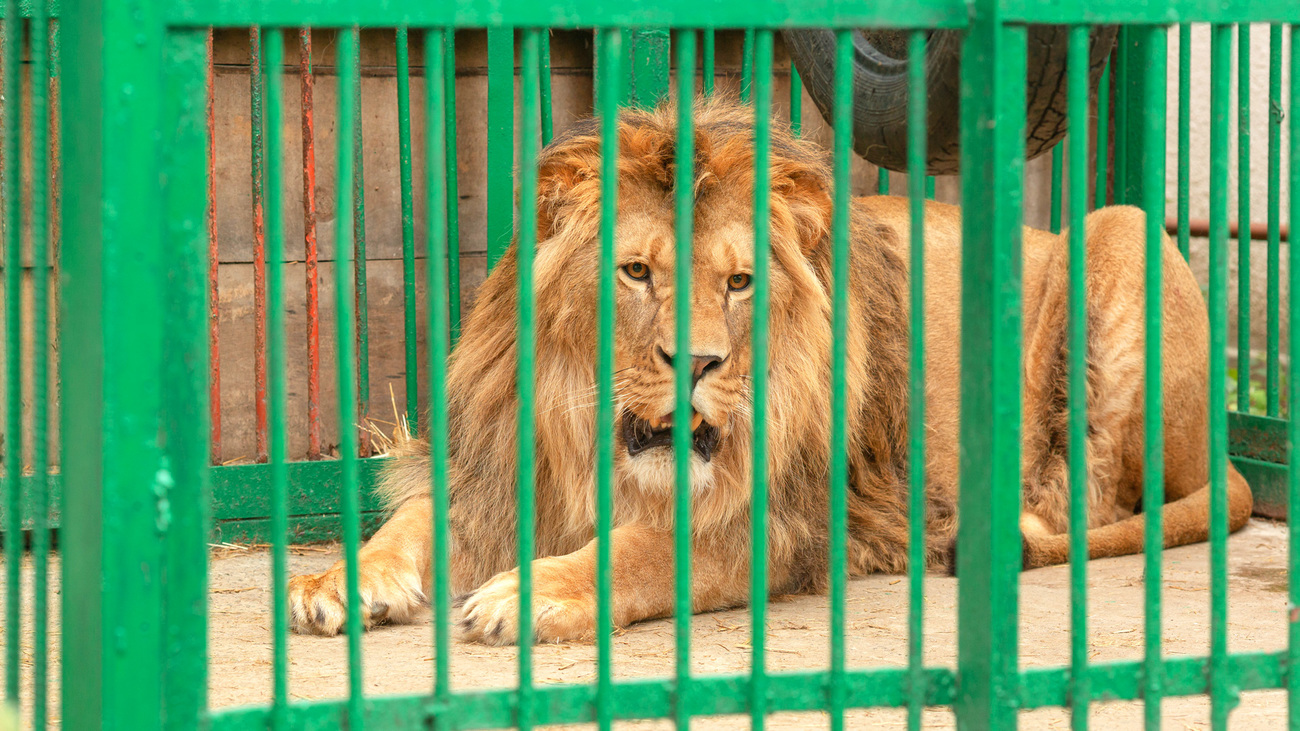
(880, 89)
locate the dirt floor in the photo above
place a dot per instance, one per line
(398, 659)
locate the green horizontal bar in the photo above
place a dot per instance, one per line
(1261, 438)
(573, 13)
(302, 529)
(637, 699)
(807, 691)
(26, 9)
(1158, 13)
(244, 491)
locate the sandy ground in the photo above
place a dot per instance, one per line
(398, 659)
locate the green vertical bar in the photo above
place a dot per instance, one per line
(453, 184)
(684, 221)
(1103, 135)
(611, 59)
(1077, 141)
(917, 182)
(349, 42)
(501, 142)
(1243, 218)
(1220, 77)
(184, 376)
(647, 77)
(709, 71)
(527, 354)
(929, 187)
(1123, 106)
(796, 102)
(277, 412)
(437, 239)
(882, 181)
(548, 129)
(408, 226)
(988, 556)
(747, 67)
(115, 482)
(1153, 487)
(13, 448)
(1273, 375)
(359, 262)
(762, 78)
(40, 137)
(1293, 398)
(840, 218)
(1057, 173)
(1184, 138)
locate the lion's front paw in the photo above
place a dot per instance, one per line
(563, 607)
(390, 591)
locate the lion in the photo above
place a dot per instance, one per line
(395, 572)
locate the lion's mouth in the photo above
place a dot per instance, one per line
(640, 435)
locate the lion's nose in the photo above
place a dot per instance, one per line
(701, 363)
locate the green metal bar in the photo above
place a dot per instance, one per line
(116, 484)
(1220, 76)
(747, 66)
(648, 72)
(1123, 99)
(13, 454)
(348, 81)
(1243, 218)
(501, 142)
(684, 223)
(453, 184)
(1077, 143)
(408, 227)
(929, 187)
(1184, 138)
(611, 59)
(548, 129)
(882, 181)
(40, 246)
(277, 410)
(988, 556)
(1103, 135)
(527, 354)
(709, 71)
(1274, 307)
(796, 102)
(762, 78)
(184, 375)
(437, 168)
(1292, 655)
(840, 219)
(917, 183)
(1057, 174)
(1153, 487)
(585, 14)
(359, 265)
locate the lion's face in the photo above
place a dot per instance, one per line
(721, 289)
(721, 283)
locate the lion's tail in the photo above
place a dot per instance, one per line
(1186, 520)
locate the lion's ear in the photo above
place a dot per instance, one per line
(566, 170)
(806, 193)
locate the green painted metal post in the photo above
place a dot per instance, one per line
(988, 555)
(1131, 97)
(182, 512)
(115, 491)
(647, 58)
(501, 142)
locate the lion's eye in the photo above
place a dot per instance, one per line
(637, 270)
(738, 282)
